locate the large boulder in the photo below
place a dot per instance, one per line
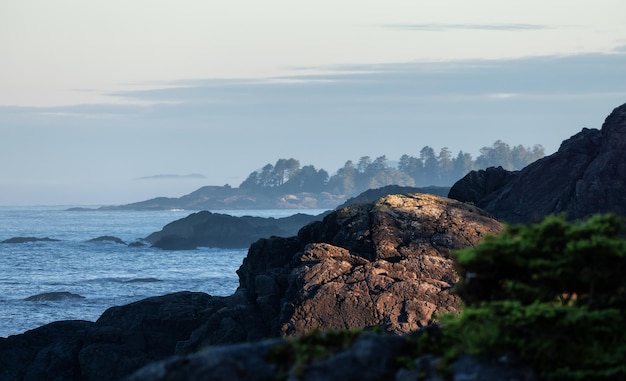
(383, 264)
(121, 341)
(586, 176)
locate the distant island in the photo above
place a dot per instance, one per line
(288, 185)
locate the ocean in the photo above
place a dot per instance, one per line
(105, 273)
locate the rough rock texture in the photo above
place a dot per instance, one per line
(380, 264)
(372, 357)
(222, 230)
(121, 341)
(586, 176)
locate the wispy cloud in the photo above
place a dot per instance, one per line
(173, 177)
(490, 27)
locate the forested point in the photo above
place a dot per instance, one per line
(427, 169)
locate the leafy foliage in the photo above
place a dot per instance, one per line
(553, 293)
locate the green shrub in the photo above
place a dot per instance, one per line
(554, 293)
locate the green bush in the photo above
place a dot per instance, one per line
(554, 293)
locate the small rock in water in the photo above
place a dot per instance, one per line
(143, 280)
(107, 238)
(29, 239)
(53, 296)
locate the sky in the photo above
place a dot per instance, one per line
(112, 102)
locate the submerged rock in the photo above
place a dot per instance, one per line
(53, 296)
(107, 238)
(29, 239)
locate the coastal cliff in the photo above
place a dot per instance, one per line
(586, 176)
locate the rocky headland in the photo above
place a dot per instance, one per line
(586, 176)
(210, 229)
(383, 264)
(228, 198)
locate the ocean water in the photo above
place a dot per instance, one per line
(106, 274)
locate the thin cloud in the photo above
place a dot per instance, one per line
(173, 177)
(440, 27)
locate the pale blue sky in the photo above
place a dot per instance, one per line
(98, 98)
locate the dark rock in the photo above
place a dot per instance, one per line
(384, 264)
(244, 362)
(381, 264)
(222, 230)
(44, 353)
(108, 238)
(586, 176)
(144, 280)
(136, 244)
(53, 296)
(29, 239)
(477, 185)
(372, 357)
(120, 342)
(467, 368)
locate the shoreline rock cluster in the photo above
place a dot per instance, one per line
(381, 264)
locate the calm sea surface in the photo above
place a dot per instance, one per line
(105, 273)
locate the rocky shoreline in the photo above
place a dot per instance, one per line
(383, 265)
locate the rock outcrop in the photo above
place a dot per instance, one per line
(108, 238)
(383, 264)
(221, 230)
(372, 357)
(586, 176)
(53, 296)
(121, 341)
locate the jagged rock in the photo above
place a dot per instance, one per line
(29, 239)
(380, 264)
(221, 230)
(586, 176)
(477, 185)
(120, 342)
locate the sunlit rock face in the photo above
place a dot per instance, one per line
(586, 176)
(384, 264)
